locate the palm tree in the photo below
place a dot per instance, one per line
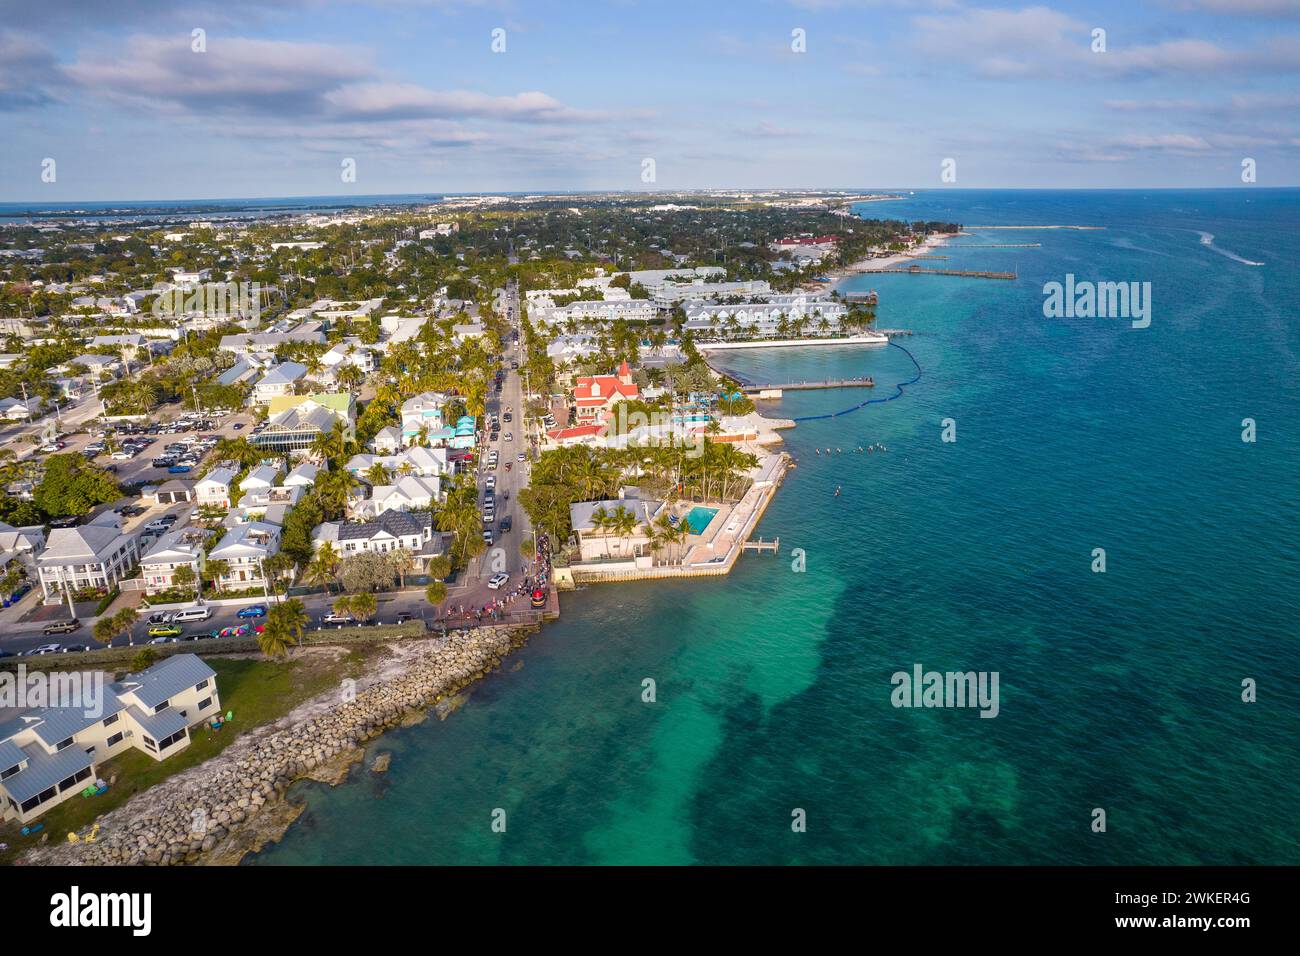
(435, 594)
(285, 624)
(602, 521)
(349, 376)
(379, 474)
(124, 620)
(402, 560)
(364, 606)
(623, 523)
(332, 444)
(216, 570)
(334, 488)
(324, 567)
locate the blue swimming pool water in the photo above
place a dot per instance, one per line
(699, 517)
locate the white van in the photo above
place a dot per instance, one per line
(192, 614)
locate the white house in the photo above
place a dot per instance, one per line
(303, 476)
(244, 549)
(260, 479)
(416, 460)
(181, 548)
(406, 494)
(279, 380)
(95, 555)
(389, 531)
(214, 489)
(422, 414)
(50, 754)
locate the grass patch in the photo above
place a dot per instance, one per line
(256, 690)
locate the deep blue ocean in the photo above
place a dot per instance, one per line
(1119, 690)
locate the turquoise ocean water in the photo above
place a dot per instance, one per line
(1119, 690)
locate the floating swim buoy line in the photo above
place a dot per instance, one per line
(873, 401)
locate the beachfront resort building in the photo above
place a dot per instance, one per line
(595, 312)
(51, 754)
(773, 316)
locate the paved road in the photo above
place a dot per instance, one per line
(504, 555)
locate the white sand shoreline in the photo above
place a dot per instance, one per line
(893, 261)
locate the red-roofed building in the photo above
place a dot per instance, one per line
(577, 435)
(596, 395)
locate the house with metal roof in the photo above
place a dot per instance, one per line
(244, 549)
(412, 531)
(279, 380)
(181, 548)
(213, 489)
(51, 754)
(91, 556)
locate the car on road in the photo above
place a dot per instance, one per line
(160, 617)
(403, 617)
(520, 457)
(237, 426)
(122, 456)
(253, 610)
(165, 630)
(487, 537)
(507, 417)
(73, 648)
(42, 649)
(506, 524)
(179, 469)
(491, 482)
(510, 436)
(166, 639)
(498, 581)
(336, 618)
(61, 627)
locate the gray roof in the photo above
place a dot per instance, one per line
(83, 543)
(11, 754)
(396, 523)
(286, 373)
(165, 679)
(45, 770)
(160, 725)
(59, 723)
(580, 512)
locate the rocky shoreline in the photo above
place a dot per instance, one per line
(234, 804)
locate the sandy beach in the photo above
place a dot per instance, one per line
(837, 276)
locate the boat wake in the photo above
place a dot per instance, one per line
(1207, 240)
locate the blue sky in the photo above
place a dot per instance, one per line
(583, 93)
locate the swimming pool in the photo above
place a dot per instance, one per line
(698, 518)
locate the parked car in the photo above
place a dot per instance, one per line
(160, 617)
(179, 469)
(166, 639)
(335, 618)
(73, 648)
(487, 537)
(237, 426)
(41, 649)
(253, 610)
(498, 581)
(165, 630)
(61, 627)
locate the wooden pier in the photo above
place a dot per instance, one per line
(750, 388)
(918, 271)
(774, 546)
(997, 245)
